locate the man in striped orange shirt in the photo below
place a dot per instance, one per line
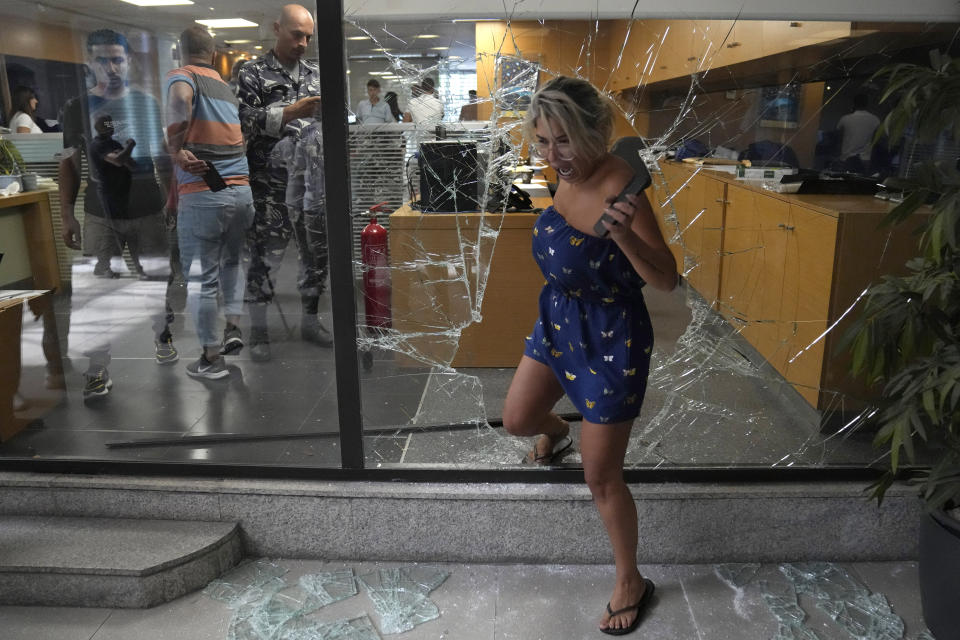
(215, 207)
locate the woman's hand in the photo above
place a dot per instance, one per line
(637, 234)
(622, 214)
(189, 163)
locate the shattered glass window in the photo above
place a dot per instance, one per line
(772, 216)
(769, 198)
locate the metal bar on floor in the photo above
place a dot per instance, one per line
(230, 438)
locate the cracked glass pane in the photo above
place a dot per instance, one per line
(772, 217)
(248, 583)
(330, 586)
(400, 596)
(767, 195)
(360, 628)
(266, 607)
(847, 601)
(267, 617)
(864, 615)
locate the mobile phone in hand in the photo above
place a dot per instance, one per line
(629, 149)
(213, 178)
(636, 185)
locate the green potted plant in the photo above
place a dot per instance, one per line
(11, 163)
(907, 338)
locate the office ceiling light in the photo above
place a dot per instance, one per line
(358, 37)
(157, 3)
(380, 49)
(425, 36)
(258, 47)
(227, 23)
(439, 48)
(230, 43)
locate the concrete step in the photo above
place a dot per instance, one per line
(688, 523)
(105, 562)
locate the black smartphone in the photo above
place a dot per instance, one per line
(629, 149)
(213, 178)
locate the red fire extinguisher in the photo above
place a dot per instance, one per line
(376, 272)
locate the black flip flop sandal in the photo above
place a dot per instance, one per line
(640, 606)
(560, 449)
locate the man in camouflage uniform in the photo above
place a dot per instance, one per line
(279, 96)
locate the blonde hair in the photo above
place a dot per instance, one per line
(583, 113)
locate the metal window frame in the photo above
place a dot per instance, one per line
(332, 61)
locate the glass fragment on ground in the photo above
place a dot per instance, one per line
(857, 612)
(400, 596)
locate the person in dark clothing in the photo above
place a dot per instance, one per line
(391, 99)
(280, 96)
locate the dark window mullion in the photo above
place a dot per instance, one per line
(332, 61)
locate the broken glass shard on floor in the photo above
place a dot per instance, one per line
(247, 583)
(781, 599)
(266, 619)
(400, 596)
(330, 586)
(848, 602)
(349, 629)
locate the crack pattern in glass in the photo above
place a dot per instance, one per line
(748, 367)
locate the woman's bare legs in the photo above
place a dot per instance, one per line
(603, 447)
(530, 399)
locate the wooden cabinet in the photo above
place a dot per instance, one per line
(809, 240)
(787, 268)
(779, 36)
(690, 211)
(745, 42)
(754, 252)
(656, 50)
(436, 262)
(704, 235)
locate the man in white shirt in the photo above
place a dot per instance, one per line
(857, 129)
(374, 110)
(425, 108)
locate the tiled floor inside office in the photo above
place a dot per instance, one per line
(713, 407)
(523, 602)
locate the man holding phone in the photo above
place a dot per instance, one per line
(215, 207)
(279, 97)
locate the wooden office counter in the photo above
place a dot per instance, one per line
(435, 260)
(782, 268)
(33, 207)
(38, 242)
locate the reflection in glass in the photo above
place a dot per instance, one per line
(185, 329)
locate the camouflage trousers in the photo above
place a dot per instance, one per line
(273, 225)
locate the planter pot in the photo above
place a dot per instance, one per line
(940, 574)
(30, 181)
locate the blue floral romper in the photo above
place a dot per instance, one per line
(594, 330)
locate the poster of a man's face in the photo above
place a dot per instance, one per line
(110, 64)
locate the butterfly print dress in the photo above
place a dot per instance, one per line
(594, 330)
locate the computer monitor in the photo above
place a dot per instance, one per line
(449, 176)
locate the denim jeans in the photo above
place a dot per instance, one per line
(213, 227)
